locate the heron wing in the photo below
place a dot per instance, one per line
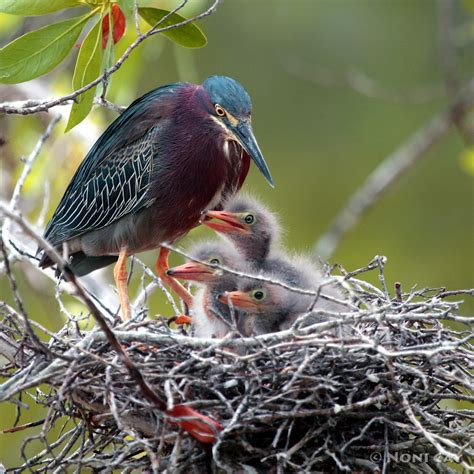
(114, 178)
(118, 186)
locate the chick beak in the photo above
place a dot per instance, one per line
(240, 299)
(228, 222)
(192, 271)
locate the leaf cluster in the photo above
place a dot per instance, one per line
(38, 52)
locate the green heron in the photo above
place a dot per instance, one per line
(177, 151)
(266, 307)
(210, 317)
(254, 231)
(249, 225)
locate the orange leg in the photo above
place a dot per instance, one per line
(121, 280)
(161, 268)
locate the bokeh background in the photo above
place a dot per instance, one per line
(320, 136)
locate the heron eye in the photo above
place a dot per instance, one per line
(249, 219)
(258, 295)
(215, 261)
(219, 110)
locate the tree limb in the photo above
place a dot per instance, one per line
(390, 170)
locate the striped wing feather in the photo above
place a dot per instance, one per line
(118, 186)
(113, 179)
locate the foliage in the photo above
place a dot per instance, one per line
(190, 36)
(38, 52)
(87, 69)
(35, 7)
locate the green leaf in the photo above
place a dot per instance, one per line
(87, 69)
(189, 36)
(35, 7)
(40, 51)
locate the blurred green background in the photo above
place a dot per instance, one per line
(320, 137)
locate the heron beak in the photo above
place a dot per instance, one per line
(240, 299)
(193, 271)
(229, 222)
(244, 134)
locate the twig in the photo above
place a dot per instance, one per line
(361, 83)
(449, 62)
(389, 171)
(135, 374)
(433, 439)
(448, 53)
(135, 16)
(30, 160)
(24, 104)
(19, 302)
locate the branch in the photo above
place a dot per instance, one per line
(361, 83)
(44, 106)
(18, 106)
(448, 53)
(134, 373)
(449, 61)
(30, 160)
(199, 426)
(390, 170)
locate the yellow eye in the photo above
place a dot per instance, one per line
(219, 110)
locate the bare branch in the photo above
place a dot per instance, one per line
(20, 105)
(361, 83)
(136, 18)
(449, 62)
(30, 160)
(390, 170)
(69, 276)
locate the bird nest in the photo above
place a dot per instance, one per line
(383, 386)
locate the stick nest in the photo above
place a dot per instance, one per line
(384, 387)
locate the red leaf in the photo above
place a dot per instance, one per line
(118, 20)
(200, 427)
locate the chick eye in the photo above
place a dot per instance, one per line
(219, 110)
(249, 219)
(215, 261)
(258, 295)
